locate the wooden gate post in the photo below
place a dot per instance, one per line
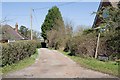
(98, 40)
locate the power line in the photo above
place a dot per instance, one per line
(5, 20)
(17, 15)
(56, 5)
(66, 3)
(47, 8)
(43, 8)
(35, 18)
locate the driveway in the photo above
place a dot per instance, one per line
(53, 64)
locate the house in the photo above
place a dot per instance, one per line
(9, 34)
(104, 3)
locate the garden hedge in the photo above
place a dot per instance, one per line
(85, 44)
(14, 52)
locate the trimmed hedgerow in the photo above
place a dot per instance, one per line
(14, 52)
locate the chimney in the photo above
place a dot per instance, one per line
(16, 27)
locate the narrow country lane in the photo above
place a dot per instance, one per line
(53, 64)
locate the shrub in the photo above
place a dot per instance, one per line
(83, 45)
(13, 52)
(114, 44)
(87, 31)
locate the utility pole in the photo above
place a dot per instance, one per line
(31, 24)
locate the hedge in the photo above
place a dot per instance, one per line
(14, 52)
(82, 46)
(85, 44)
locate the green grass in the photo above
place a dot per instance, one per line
(109, 67)
(0, 71)
(20, 65)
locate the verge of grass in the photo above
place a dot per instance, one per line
(0, 71)
(20, 65)
(109, 67)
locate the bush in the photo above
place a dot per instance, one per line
(85, 44)
(56, 39)
(87, 31)
(14, 52)
(114, 44)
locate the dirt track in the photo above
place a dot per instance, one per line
(53, 64)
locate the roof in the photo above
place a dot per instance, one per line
(110, 0)
(8, 33)
(113, 3)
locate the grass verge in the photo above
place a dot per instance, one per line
(109, 67)
(20, 65)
